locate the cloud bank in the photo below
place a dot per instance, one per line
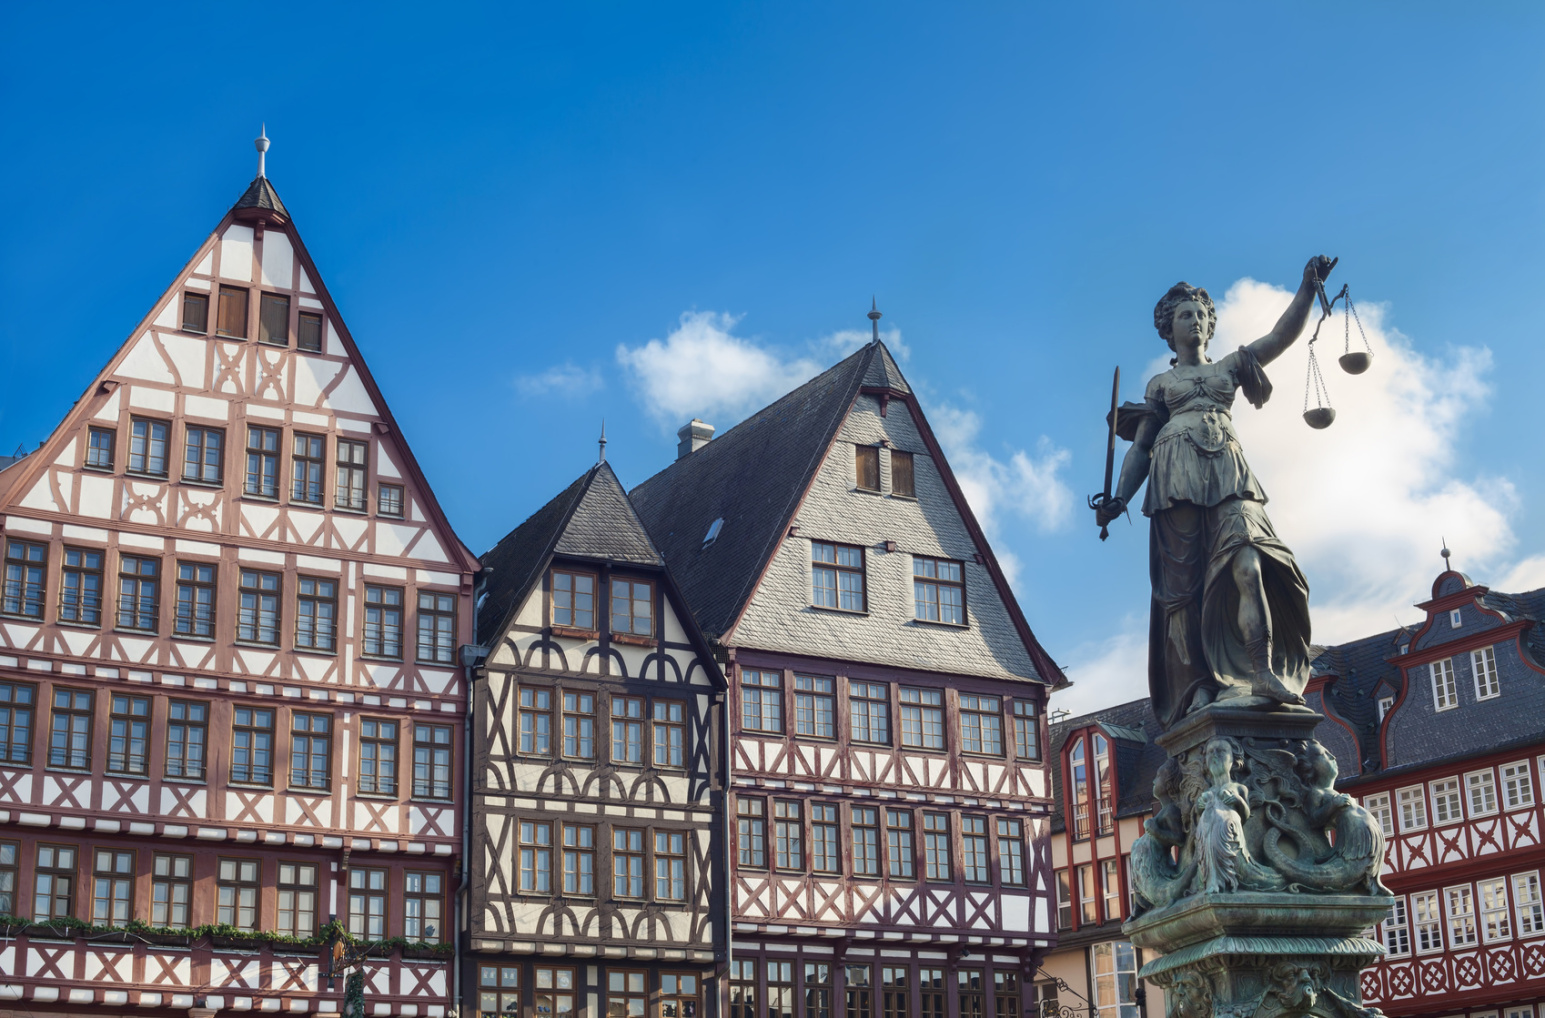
(567, 379)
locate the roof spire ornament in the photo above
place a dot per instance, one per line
(603, 442)
(1447, 565)
(261, 144)
(874, 316)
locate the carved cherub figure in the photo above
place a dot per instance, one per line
(1161, 878)
(1358, 852)
(1224, 859)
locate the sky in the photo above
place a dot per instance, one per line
(534, 217)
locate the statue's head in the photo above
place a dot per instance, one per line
(1317, 766)
(1185, 307)
(1166, 781)
(1221, 754)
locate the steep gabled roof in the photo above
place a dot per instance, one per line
(591, 518)
(260, 194)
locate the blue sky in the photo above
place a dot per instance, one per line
(511, 202)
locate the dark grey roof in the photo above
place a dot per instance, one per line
(752, 478)
(1132, 728)
(883, 373)
(260, 194)
(591, 519)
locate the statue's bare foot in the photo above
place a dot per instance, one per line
(1268, 685)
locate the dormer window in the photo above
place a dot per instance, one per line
(1080, 769)
(1455, 620)
(1092, 790)
(1483, 663)
(1444, 695)
(1103, 786)
(1385, 703)
(573, 599)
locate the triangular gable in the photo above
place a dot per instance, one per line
(604, 526)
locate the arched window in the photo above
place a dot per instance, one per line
(1080, 790)
(1103, 779)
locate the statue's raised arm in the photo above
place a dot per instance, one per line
(1291, 325)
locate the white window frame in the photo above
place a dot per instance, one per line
(1522, 784)
(1483, 664)
(1496, 921)
(1408, 821)
(1448, 802)
(1471, 787)
(1379, 806)
(1528, 904)
(1521, 1011)
(1426, 902)
(1455, 619)
(1398, 924)
(1461, 922)
(1445, 694)
(1386, 704)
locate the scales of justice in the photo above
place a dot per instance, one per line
(1255, 880)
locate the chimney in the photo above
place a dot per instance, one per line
(693, 437)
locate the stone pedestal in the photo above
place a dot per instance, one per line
(1260, 881)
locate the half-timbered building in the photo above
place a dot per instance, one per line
(889, 803)
(231, 706)
(597, 788)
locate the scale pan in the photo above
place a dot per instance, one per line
(1355, 363)
(1319, 417)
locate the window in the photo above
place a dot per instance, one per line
(436, 628)
(761, 701)
(936, 846)
(138, 593)
(573, 600)
(1429, 927)
(1444, 696)
(367, 903)
(377, 757)
(1517, 785)
(236, 902)
(1495, 923)
(252, 746)
(1395, 930)
(1529, 903)
(866, 458)
(627, 730)
(80, 587)
(670, 866)
(866, 841)
(1483, 664)
(536, 857)
(1005, 994)
(579, 726)
(1087, 913)
(900, 856)
(274, 319)
(499, 991)
(1446, 808)
(788, 835)
(195, 311)
(554, 992)
(186, 738)
(1064, 901)
(903, 476)
(203, 457)
(99, 448)
(536, 721)
(818, 990)
(352, 459)
(53, 883)
(579, 860)
(895, 1001)
(310, 748)
(973, 850)
(678, 995)
(940, 590)
(1110, 884)
(922, 718)
(262, 462)
(1115, 979)
(981, 724)
(633, 607)
(1385, 705)
(837, 572)
(669, 736)
(307, 453)
(1483, 792)
(869, 712)
(1413, 809)
(171, 891)
(1378, 806)
(383, 622)
(128, 734)
(751, 827)
(257, 617)
(309, 334)
(968, 984)
(932, 983)
(860, 991)
(1011, 853)
(195, 600)
(148, 446)
(742, 990)
(69, 742)
(233, 312)
(389, 499)
(316, 614)
(297, 899)
(1027, 731)
(24, 568)
(1461, 916)
(825, 843)
(780, 989)
(16, 723)
(815, 711)
(112, 887)
(422, 906)
(431, 761)
(1104, 785)
(627, 863)
(1455, 619)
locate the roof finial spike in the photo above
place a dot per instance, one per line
(1447, 565)
(261, 144)
(603, 442)
(874, 316)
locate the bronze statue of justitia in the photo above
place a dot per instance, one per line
(1229, 620)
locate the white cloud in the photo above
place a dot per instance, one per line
(1107, 672)
(566, 379)
(844, 341)
(702, 370)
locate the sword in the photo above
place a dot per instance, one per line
(1104, 497)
